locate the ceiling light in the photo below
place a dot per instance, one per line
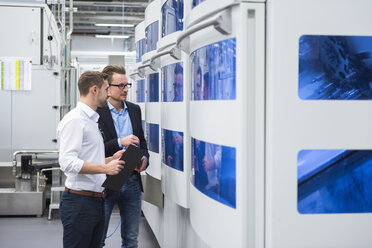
(114, 25)
(113, 36)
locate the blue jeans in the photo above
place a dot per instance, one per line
(82, 219)
(129, 201)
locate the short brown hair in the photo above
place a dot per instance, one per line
(90, 78)
(111, 69)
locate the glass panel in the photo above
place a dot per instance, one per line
(173, 149)
(172, 17)
(153, 87)
(213, 71)
(335, 67)
(172, 82)
(334, 181)
(152, 131)
(196, 3)
(140, 49)
(144, 127)
(140, 90)
(213, 171)
(152, 36)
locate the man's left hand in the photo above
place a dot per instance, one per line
(143, 164)
(118, 154)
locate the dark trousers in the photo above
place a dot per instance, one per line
(82, 219)
(129, 201)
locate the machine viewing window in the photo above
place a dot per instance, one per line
(172, 82)
(196, 3)
(172, 17)
(140, 90)
(335, 67)
(213, 171)
(152, 133)
(213, 71)
(140, 49)
(172, 143)
(334, 181)
(152, 36)
(152, 87)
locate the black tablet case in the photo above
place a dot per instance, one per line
(132, 157)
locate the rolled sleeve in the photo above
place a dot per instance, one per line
(70, 142)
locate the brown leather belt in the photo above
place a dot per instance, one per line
(85, 193)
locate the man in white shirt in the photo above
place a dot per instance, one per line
(82, 159)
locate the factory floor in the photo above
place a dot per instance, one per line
(16, 232)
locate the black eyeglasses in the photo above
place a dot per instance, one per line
(122, 86)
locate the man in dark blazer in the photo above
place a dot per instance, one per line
(121, 126)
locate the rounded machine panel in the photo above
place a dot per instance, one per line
(227, 124)
(153, 88)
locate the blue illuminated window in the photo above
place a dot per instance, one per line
(140, 49)
(172, 17)
(213, 71)
(334, 181)
(196, 3)
(152, 36)
(172, 82)
(335, 67)
(140, 90)
(214, 171)
(152, 131)
(153, 87)
(173, 149)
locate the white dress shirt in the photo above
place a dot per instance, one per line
(80, 140)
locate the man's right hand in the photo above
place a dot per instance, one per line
(130, 140)
(114, 167)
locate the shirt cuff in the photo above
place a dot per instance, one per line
(79, 165)
(119, 143)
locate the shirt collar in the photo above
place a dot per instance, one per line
(112, 108)
(93, 115)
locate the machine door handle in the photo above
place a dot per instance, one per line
(222, 23)
(135, 75)
(158, 55)
(174, 52)
(141, 73)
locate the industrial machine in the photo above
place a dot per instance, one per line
(33, 97)
(280, 142)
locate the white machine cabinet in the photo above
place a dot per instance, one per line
(30, 118)
(175, 98)
(318, 126)
(226, 42)
(153, 89)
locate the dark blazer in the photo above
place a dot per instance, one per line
(110, 137)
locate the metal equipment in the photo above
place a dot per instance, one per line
(26, 195)
(30, 115)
